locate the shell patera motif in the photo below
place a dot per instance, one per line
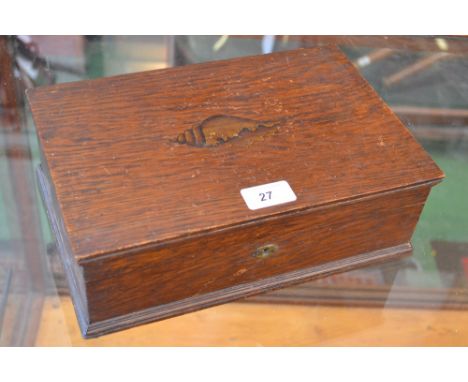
(219, 129)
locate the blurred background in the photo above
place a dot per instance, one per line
(420, 300)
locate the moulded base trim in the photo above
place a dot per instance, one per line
(191, 304)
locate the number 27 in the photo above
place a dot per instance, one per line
(265, 196)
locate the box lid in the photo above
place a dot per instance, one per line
(144, 158)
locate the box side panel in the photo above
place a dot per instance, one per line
(72, 269)
(121, 285)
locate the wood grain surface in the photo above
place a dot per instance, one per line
(121, 285)
(121, 181)
(116, 292)
(143, 172)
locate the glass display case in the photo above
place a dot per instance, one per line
(419, 300)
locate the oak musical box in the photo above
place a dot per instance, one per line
(174, 190)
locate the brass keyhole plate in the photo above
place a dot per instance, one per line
(265, 251)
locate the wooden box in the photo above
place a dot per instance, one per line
(142, 177)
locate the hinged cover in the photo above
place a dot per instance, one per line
(144, 158)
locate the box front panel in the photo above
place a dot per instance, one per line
(127, 283)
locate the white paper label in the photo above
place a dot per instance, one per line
(268, 195)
